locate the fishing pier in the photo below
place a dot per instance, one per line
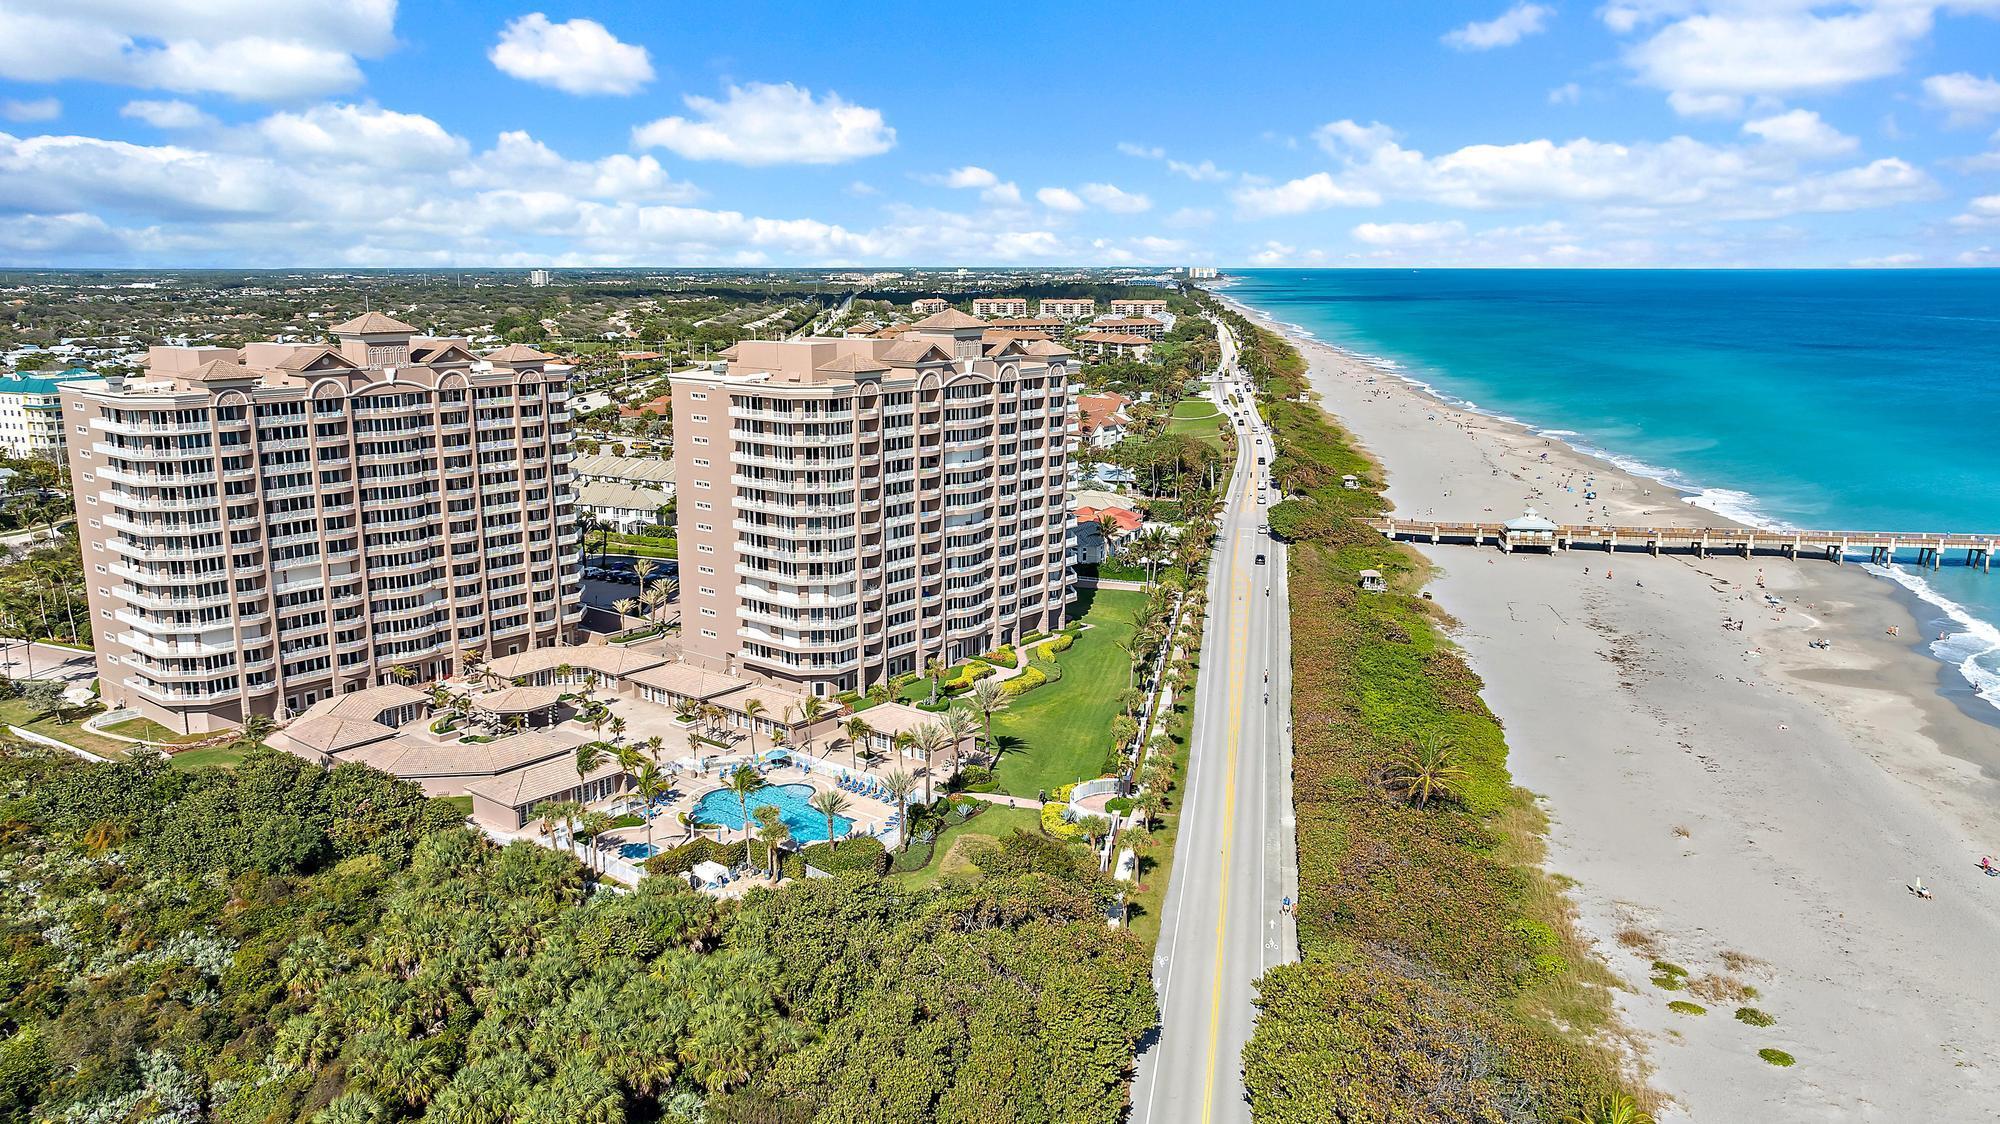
(1532, 532)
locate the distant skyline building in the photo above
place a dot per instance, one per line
(540, 278)
(268, 527)
(851, 509)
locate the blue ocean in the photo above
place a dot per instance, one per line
(1840, 399)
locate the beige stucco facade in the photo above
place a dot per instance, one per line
(852, 508)
(268, 527)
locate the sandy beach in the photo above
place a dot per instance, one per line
(1729, 798)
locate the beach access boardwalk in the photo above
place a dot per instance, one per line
(1881, 547)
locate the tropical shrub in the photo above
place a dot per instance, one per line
(1023, 683)
(296, 943)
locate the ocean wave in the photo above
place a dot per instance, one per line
(1974, 649)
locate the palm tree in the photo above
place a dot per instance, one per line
(744, 781)
(617, 725)
(958, 724)
(589, 756)
(653, 784)
(654, 597)
(928, 739)
(989, 698)
(900, 784)
(626, 606)
(858, 732)
(629, 759)
(811, 710)
(935, 669)
(592, 827)
(255, 729)
(654, 745)
(751, 710)
(403, 673)
(773, 834)
(830, 803)
(1106, 528)
(1431, 767)
(645, 568)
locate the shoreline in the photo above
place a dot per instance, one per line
(1729, 797)
(1723, 507)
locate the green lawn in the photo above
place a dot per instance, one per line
(15, 712)
(646, 545)
(1197, 417)
(145, 729)
(216, 756)
(1059, 733)
(995, 823)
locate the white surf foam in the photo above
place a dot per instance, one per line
(1974, 649)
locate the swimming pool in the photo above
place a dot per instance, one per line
(808, 825)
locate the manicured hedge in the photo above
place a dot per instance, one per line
(1023, 683)
(863, 853)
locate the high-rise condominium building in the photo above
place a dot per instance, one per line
(853, 508)
(264, 528)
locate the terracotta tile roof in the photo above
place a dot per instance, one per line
(686, 679)
(950, 318)
(1124, 517)
(370, 324)
(517, 353)
(330, 734)
(1119, 339)
(853, 365)
(521, 787)
(913, 351)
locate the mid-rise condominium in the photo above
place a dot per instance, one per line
(267, 527)
(31, 413)
(851, 509)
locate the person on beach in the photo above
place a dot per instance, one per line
(1919, 889)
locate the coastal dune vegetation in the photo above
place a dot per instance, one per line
(286, 942)
(1439, 976)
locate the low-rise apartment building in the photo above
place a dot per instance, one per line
(269, 527)
(1145, 327)
(31, 412)
(1139, 306)
(1066, 308)
(928, 306)
(999, 306)
(853, 508)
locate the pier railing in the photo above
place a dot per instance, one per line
(1928, 549)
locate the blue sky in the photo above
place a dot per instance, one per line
(367, 133)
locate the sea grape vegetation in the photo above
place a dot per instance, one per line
(284, 942)
(1426, 946)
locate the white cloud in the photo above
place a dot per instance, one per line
(1059, 199)
(1273, 253)
(1407, 233)
(1505, 30)
(1190, 217)
(1149, 152)
(1772, 48)
(760, 124)
(40, 109)
(1802, 133)
(1569, 93)
(1315, 192)
(1115, 199)
(518, 161)
(1759, 180)
(1967, 97)
(1887, 261)
(1705, 105)
(1204, 172)
(362, 134)
(170, 114)
(248, 49)
(579, 56)
(1983, 211)
(969, 176)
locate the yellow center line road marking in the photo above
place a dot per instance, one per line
(1239, 652)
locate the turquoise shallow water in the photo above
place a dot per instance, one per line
(1853, 399)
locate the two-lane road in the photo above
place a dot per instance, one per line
(1235, 860)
